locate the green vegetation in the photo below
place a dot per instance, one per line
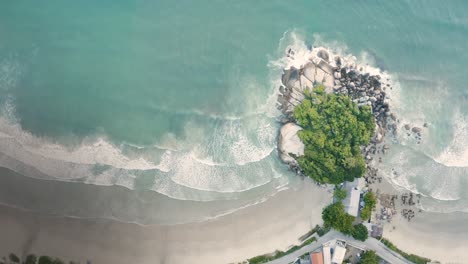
(339, 194)
(370, 203)
(334, 216)
(411, 257)
(278, 253)
(360, 232)
(322, 231)
(333, 130)
(369, 257)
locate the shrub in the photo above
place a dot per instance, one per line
(339, 194)
(334, 216)
(360, 232)
(370, 203)
(369, 257)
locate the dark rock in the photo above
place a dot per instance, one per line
(323, 54)
(416, 129)
(407, 126)
(338, 61)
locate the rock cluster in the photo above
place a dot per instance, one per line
(297, 80)
(366, 90)
(341, 76)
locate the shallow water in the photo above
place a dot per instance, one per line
(179, 99)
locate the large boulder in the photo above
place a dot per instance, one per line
(289, 142)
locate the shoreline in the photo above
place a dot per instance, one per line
(438, 236)
(275, 224)
(440, 240)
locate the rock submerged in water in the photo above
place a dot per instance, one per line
(290, 143)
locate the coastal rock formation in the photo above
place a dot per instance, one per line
(340, 75)
(290, 143)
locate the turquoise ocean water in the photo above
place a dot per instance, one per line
(134, 108)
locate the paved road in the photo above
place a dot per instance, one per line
(370, 244)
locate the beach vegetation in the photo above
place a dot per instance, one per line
(369, 257)
(334, 128)
(411, 257)
(370, 202)
(339, 193)
(334, 216)
(360, 232)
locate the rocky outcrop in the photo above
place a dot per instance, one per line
(290, 143)
(295, 81)
(340, 75)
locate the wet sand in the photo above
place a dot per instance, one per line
(262, 228)
(439, 236)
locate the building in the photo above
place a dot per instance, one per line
(377, 231)
(351, 202)
(339, 252)
(316, 258)
(326, 254)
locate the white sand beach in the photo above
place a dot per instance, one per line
(440, 237)
(274, 224)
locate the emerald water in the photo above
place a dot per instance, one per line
(175, 102)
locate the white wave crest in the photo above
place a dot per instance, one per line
(456, 153)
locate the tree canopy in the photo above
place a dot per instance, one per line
(339, 193)
(369, 257)
(360, 232)
(335, 216)
(370, 203)
(334, 128)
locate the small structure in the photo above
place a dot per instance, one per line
(316, 258)
(377, 231)
(326, 254)
(339, 252)
(351, 202)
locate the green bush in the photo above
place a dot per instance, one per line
(369, 257)
(334, 216)
(322, 231)
(370, 203)
(360, 232)
(339, 194)
(333, 130)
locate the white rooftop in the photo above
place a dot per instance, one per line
(338, 254)
(351, 202)
(326, 254)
